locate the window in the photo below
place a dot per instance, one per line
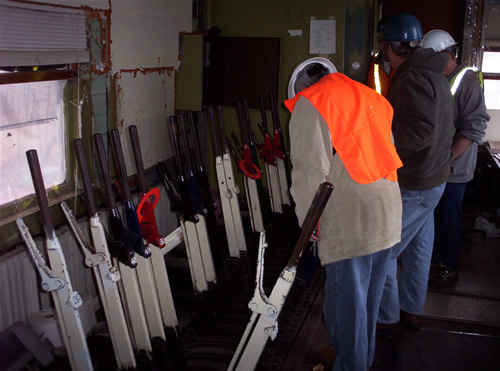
(491, 62)
(42, 48)
(36, 35)
(491, 71)
(38, 110)
(32, 117)
(492, 93)
(490, 42)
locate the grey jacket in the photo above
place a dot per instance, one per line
(471, 120)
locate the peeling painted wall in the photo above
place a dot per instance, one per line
(131, 81)
(145, 100)
(146, 33)
(139, 44)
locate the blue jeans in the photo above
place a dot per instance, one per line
(448, 226)
(353, 289)
(415, 248)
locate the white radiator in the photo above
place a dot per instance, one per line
(18, 288)
(20, 294)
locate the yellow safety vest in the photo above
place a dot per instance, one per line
(457, 79)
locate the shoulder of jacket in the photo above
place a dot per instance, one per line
(465, 73)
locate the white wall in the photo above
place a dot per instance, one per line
(145, 35)
(144, 51)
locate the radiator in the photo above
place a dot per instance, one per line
(18, 288)
(20, 294)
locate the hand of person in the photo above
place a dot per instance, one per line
(314, 238)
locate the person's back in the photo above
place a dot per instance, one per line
(470, 124)
(422, 124)
(355, 121)
(423, 131)
(340, 132)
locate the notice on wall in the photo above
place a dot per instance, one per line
(322, 36)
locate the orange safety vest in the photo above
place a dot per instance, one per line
(359, 120)
(378, 79)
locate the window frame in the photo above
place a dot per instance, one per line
(488, 44)
(487, 76)
(47, 42)
(27, 205)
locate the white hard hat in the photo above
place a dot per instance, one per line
(307, 73)
(438, 40)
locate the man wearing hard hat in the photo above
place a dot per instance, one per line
(423, 131)
(340, 132)
(471, 119)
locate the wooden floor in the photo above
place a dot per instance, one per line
(461, 323)
(304, 354)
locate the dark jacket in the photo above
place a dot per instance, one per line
(423, 119)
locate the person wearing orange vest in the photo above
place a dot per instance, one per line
(340, 132)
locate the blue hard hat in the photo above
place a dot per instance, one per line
(403, 27)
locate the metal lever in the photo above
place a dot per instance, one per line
(260, 302)
(92, 258)
(49, 281)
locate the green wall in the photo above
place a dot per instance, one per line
(274, 18)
